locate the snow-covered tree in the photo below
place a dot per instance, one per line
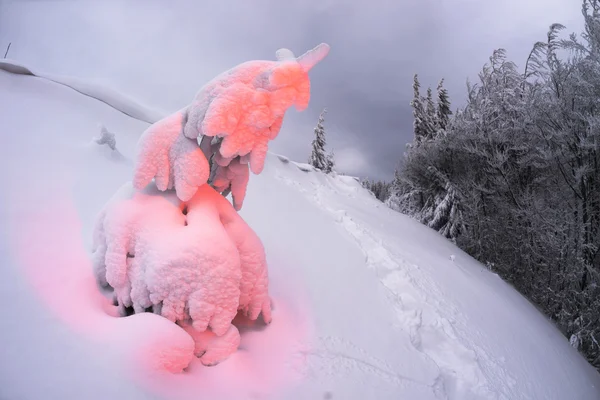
(516, 179)
(407, 192)
(443, 107)
(431, 122)
(419, 114)
(394, 198)
(212, 265)
(230, 118)
(429, 118)
(444, 213)
(318, 157)
(330, 162)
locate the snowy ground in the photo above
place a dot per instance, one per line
(368, 303)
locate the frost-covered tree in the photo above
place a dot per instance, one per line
(318, 157)
(330, 162)
(412, 191)
(213, 265)
(443, 107)
(442, 208)
(228, 118)
(431, 122)
(429, 118)
(395, 193)
(380, 189)
(419, 114)
(516, 179)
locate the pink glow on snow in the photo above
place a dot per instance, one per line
(268, 361)
(49, 247)
(47, 244)
(174, 160)
(245, 107)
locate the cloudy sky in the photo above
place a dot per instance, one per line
(162, 52)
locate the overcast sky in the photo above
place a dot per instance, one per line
(162, 52)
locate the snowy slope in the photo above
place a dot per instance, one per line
(107, 95)
(368, 303)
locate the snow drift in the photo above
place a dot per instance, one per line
(118, 101)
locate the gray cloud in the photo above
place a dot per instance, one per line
(162, 53)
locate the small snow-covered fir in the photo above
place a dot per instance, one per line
(170, 242)
(318, 157)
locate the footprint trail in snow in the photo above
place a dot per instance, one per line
(427, 320)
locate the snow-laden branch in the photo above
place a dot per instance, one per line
(243, 107)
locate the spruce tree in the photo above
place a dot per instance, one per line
(443, 107)
(431, 123)
(418, 112)
(330, 162)
(318, 157)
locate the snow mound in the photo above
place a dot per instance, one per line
(167, 349)
(118, 101)
(305, 167)
(283, 159)
(195, 263)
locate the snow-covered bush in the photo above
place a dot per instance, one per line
(196, 263)
(169, 242)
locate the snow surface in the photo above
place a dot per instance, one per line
(105, 94)
(367, 302)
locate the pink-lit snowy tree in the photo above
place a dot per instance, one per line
(170, 242)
